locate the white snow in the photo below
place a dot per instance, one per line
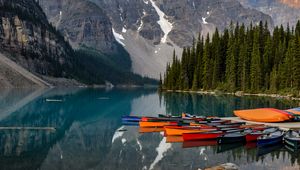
(145, 1)
(117, 134)
(139, 143)
(207, 12)
(60, 13)
(204, 20)
(165, 25)
(123, 140)
(142, 23)
(194, 5)
(118, 37)
(155, 51)
(162, 148)
(124, 30)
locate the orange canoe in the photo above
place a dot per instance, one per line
(157, 124)
(264, 115)
(175, 131)
(150, 129)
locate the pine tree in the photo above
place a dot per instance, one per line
(255, 71)
(296, 65)
(231, 64)
(207, 64)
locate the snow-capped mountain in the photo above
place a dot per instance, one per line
(148, 29)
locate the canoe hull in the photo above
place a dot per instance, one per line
(269, 141)
(156, 124)
(264, 115)
(252, 137)
(295, 143)
(200, 136)
(169, 131)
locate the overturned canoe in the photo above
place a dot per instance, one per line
(264, 115)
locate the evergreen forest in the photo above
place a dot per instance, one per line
(251, 59)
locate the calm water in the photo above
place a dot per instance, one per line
(87, 136)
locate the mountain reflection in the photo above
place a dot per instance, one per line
(89, 133)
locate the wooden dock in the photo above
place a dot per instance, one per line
(28, 128)
(284, 126)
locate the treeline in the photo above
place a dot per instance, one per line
(249, 59)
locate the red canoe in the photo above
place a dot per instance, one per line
(251, 137)
(201, 136)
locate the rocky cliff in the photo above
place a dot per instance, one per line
(31, 41)
(35, 49)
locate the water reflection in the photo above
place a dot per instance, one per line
(89, 133)
(218, 105)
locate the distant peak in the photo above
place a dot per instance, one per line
(291, 3)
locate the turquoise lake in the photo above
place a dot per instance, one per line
(87, 136)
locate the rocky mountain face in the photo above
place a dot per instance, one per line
(31, 41)
(34, 52)
(82, 23)
(148, 29)
(281, 11)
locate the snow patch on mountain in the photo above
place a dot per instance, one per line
(165, 25)
(146, 1)
(204, 20)
(124, 30)
(118, 37)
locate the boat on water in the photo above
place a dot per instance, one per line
(230, 125)
(234, 137)
(202, 135)
(265, 115)
(270, 139)
(151, 129)
(208, 135)
(292, 138)
(131, 118)
(252, 137)
(178, 131)
(157, 124)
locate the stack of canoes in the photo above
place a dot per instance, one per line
(199, 131)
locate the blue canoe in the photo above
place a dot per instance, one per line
(131, 119)
(270, 139)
